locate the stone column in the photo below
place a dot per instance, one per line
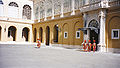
(45, 7)
(62, 8)
(102, 15)
(73, 9)
(52, 9)
(32, 12)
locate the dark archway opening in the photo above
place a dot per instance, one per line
(25, 33)
(35, 33)
(12, 32)
(41, 34)
(55, 34)
(47, 35)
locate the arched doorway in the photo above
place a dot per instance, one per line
(47, 35)
(25, 33)
(40, 33)
(35, 33)
(55, 39)
(12, 32)
(0, 32)
(94, 31)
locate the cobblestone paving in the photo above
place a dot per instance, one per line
(26, 56)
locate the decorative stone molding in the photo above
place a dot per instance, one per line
(102, 14)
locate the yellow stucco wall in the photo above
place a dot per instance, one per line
(66, 24)
(19, 28)
(112, 22)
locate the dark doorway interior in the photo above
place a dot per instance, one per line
(12, 32)
(55, 34)
(41, 33)
(35, 33)
(25, 33)
(47, 35)
(94, 36)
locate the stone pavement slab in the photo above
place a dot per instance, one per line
(26, 56)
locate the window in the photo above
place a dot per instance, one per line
(115, 33)
(65, 34)
(1, 2)
(26, 12)
(77, 34)
(13, 10)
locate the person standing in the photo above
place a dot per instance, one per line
(39, 43)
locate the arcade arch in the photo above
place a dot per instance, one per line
(25, 33)
(47, 35)
(12, 32)
(41, 33)
(35, 34)
(55, 34)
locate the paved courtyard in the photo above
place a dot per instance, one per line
(26, 56)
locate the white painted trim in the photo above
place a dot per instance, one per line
(112, 34)
(64, 34)
(76, 34)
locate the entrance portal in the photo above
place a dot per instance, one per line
(47, 35)
(94, 31)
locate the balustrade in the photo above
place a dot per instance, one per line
(59, 7)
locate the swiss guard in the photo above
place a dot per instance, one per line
(94, 46)
(89, 46)
(39, 43)
(84, 45)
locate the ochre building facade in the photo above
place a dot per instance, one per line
(67, 23)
